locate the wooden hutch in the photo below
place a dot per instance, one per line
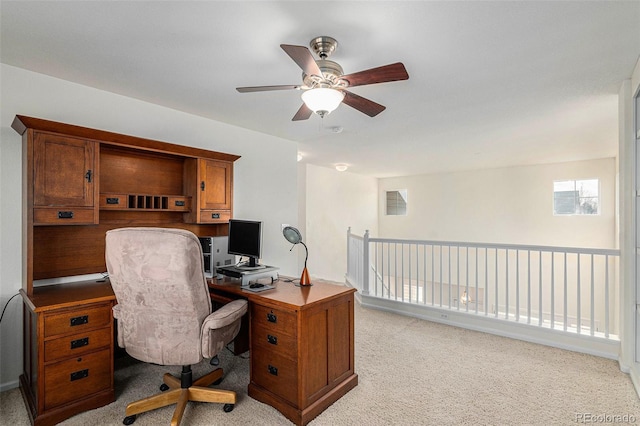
(79, 183)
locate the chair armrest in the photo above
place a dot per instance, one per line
(220, 327)
(226, 315)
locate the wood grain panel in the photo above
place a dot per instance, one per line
(316, 353)
(75, 250)
(130, 172)
(61, 387)
(61, 322)
(64, 347)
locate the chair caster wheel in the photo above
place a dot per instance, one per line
(129, 420)
(215, 361)
(227, 408)
(217, 382)
(163, 387)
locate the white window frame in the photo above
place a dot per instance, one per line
(400, 193)
(576, 207)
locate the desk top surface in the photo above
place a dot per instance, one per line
(58, 296)
(285, 293)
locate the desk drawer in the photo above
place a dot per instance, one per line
(215, 216)
(64, 216)
(77, 378)
(76, 344)
(77, 320)
(278, 321)
(275, 373)
(274, 342)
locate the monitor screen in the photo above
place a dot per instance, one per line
(245, 239)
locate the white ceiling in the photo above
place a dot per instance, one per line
(492, 84)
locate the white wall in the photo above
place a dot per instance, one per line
(506, 205)
(336, 201)
(264, 178)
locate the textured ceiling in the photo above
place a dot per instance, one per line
(492, 84)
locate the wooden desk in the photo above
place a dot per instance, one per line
(301, 343)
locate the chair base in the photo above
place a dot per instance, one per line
(176, 394)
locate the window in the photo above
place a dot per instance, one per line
(572, 197)
(397, 203)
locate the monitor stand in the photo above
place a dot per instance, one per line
(256, 274)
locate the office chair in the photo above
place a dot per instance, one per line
(164, 313)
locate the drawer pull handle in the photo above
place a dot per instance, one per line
(80, 374)
(113, 200)
(271, 317)
(75, 344)
(215, 215)
(179, 203)
(84, 319)
(272, 339)
(272, 370)
(65, 215)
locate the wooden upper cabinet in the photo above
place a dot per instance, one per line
(210, 184)
(215, 185)
(81, 176)
(65, 179)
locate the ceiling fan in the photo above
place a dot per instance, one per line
(325, 85)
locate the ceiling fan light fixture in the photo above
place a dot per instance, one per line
(322, 100)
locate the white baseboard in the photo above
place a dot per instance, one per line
(8, 385)
(578, 343)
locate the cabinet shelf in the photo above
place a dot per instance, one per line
(145, 202)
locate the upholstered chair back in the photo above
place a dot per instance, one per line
(158, 278)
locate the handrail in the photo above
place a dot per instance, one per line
(555, 249)
(570, 289)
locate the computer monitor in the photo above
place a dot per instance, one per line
(245, 239)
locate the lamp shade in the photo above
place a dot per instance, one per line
(295, 237)
(322, 100)
(292, 235)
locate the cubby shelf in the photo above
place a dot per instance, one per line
(145, 202)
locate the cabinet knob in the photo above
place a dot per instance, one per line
(65, 215)
(79, 375)
(272, 370)
(83, 319)
(78, 343)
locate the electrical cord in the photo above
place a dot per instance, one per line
(7, 304)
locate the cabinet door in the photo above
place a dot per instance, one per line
(64, 171)
(215, 185)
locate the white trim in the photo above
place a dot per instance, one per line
(579, 343)
(8, 385)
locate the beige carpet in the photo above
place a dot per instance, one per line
(411, 372)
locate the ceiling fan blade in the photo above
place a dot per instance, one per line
(302, 56)
(267, 88)
(363, 105)
(383, 74)
(303, 113)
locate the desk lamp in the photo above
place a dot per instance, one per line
(295, 237)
